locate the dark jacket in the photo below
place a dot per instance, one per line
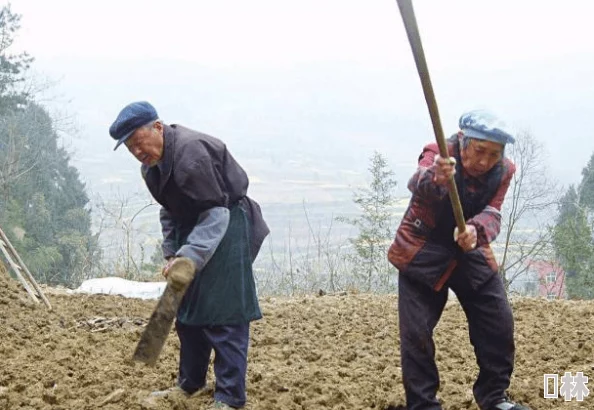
(424, 247)
(202, 188)
(198, 173)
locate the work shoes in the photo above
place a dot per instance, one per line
(172, 391)
(508, 405)
(219, 405)
(176, 391)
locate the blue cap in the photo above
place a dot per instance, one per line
(132, 117)
(483, 125)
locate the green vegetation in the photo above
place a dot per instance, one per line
(572, 235)
(43, 204)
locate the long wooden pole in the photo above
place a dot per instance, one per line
(414, 38)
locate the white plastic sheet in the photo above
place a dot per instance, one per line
(123, 287)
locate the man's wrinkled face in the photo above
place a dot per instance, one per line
(146, 144)
(480, 156)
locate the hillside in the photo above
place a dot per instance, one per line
(310, 352)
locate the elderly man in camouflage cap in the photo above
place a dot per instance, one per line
(206, 216)
(433, 258)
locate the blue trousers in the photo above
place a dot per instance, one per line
(230, 344)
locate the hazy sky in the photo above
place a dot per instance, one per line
(330, 80)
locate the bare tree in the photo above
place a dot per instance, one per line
(330, 256)
(315, 262)
(528, 208)
(117, 224)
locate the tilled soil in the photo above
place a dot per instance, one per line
(310, 352)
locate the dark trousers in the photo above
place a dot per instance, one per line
(490, 323)
(230, 344)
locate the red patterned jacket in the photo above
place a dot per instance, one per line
(424, 247)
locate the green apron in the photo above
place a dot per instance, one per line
(224, 292)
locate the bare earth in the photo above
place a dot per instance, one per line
(328, 352)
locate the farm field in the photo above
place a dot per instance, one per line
(309, 352)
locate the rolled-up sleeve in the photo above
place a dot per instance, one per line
(206, 236)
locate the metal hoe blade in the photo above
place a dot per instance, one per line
(155, 334)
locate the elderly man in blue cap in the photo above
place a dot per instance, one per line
(433, 258)
(206, 216)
